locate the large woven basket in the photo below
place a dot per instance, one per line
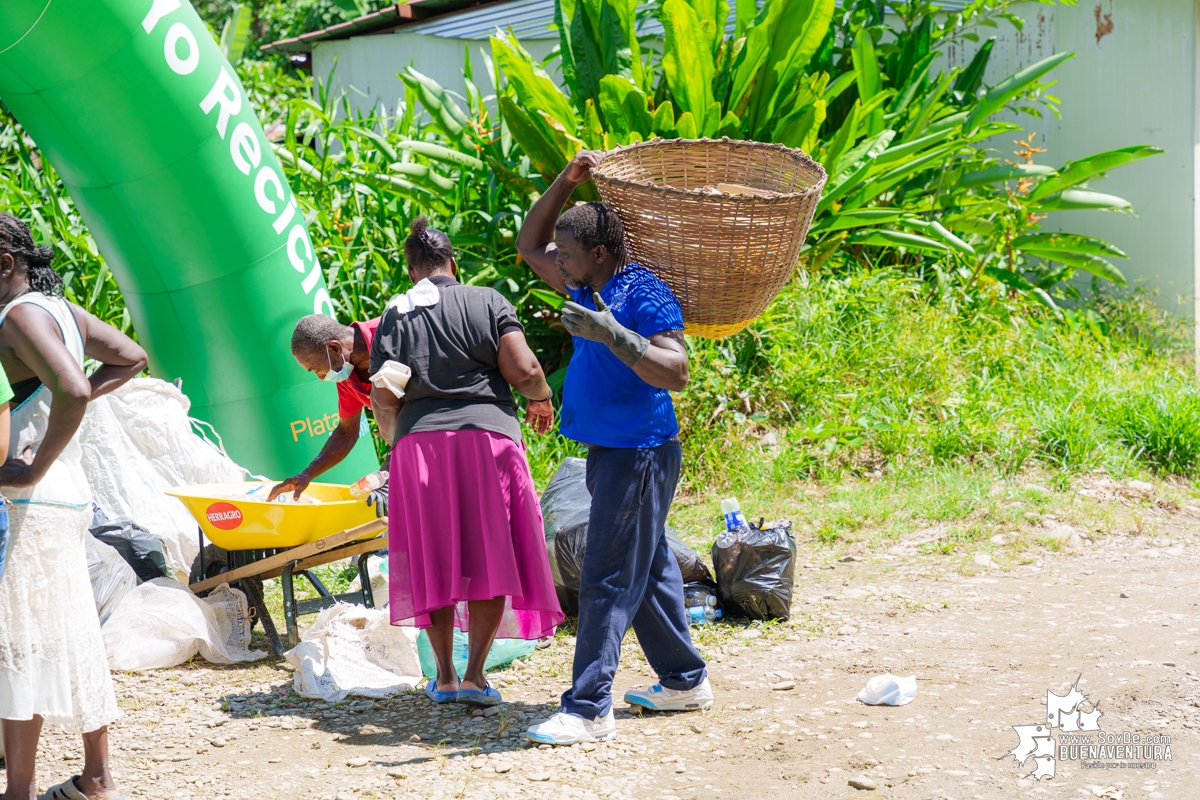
(725, 255)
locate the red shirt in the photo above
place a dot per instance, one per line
(354, 394)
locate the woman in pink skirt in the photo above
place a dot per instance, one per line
(465, 541)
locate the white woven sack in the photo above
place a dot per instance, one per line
(354, 650)
(162, 624)
(137, 442)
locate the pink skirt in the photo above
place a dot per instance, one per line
(464, 524)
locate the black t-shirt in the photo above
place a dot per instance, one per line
(452, 349)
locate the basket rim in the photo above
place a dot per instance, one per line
(780, 197)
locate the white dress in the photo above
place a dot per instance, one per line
(52, 661)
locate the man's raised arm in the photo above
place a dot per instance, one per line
(535, 242)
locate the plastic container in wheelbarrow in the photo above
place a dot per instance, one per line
(235, 523)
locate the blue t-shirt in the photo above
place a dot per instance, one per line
(604, 402)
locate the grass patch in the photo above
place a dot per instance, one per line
(872, 375)
(1161, 426)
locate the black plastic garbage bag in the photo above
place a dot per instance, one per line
(111, 577)
(140, 548)
(565, 507)
(755, 570)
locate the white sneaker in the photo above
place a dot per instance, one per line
(564, 728)
(660, 698)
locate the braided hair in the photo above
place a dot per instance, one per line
(17, 241)
(595, 225)
(426, 248)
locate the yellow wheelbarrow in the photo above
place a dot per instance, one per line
(253, 540)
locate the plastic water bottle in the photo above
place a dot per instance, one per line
(703, 615)
(368, 483)
(733, 514)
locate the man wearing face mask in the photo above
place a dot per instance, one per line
(339, 354)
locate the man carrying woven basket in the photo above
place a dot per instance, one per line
(628, 357)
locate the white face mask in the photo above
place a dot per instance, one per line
(341, 374)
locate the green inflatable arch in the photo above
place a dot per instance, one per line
(150, 129)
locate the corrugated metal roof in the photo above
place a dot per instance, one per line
(532, 19)
(529, 19)
(392, 16)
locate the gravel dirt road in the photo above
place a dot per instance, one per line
(1120, 615)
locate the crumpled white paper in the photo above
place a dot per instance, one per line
(354, 650)
(424, 293)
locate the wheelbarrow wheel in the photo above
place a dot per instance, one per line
(216, 562)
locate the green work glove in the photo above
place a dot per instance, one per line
(601, 326)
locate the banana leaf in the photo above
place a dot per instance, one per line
(446, 114)
(902, 151)
(731, 126)
(687, 63)
(1009, 88)
(842, 140)
(685, 126)
(422, 173)
(712, 15)
(902, 172)
(745, 11)
(1077, 172)
(663, 121)
(870, 83)
(801, 131)
(797, 39)
(623, 108)
(533, 86)
(1100, 267)
(897, 239)
(597, 38)
(1080, 199)
(839, 85)
(1003, 172)
(936, 230)
(856, 219)
(545, 152)
(970, 79)
(1042, 243)
(593, 130)
(439, 153)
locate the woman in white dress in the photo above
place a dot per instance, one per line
(52, 662)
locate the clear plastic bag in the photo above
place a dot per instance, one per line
(889, 690)
(112, 578)
(755, 570)
(502, 652)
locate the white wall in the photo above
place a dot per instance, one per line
(1135, 84)
(366, 66)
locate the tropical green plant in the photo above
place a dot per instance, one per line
(30, 189)
(361, 180)
(911, 179)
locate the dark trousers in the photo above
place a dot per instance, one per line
(629, 577)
